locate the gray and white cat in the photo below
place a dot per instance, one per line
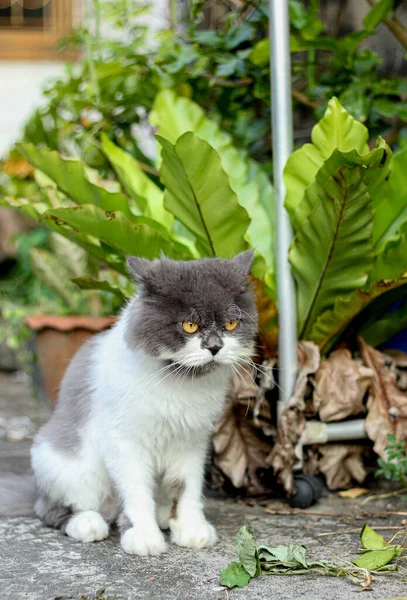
(138, 404)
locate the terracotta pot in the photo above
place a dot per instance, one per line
(56, 341)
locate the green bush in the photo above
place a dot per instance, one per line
(349, 253)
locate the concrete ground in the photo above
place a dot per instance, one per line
(37, 563)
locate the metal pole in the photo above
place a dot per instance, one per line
(282, 130)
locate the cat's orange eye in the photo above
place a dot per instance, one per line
(190, 327)
(230, 325)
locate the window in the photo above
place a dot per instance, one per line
(30, 29)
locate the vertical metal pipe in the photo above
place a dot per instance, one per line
(282, 130)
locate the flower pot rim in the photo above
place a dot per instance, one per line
(69, 322)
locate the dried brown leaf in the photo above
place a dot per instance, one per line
(340, 387)
(342, 464)
(292, 420)
(387, 404)
(399, 360)
(353, 493)
(240, 440)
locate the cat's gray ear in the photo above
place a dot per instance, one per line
(139, 268)
(244, 262)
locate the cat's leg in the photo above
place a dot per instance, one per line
(188, 524)
(164, 504)
(132, 470)
(71, 489)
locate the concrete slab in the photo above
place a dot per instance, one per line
(41, 564)
(37, 563)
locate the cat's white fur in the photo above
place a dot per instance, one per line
(146, 432)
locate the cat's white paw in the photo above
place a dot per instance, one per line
(163, 512)
(143, 543)
(193, 533)
(86, 527)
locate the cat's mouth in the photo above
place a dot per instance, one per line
(194, 371)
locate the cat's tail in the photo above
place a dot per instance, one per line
(17, 495)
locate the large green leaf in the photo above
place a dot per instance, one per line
(86, 282)
(337, 129)
(391, 213)
(30, 209)
(333, 322)
(332, 251)
(375, 169)
(375, 559)
(141, 236)
(70, 177)
(392, 262)
(173, 116)
(199, 195)
(38, 212)
(147, 196)
(370, 539)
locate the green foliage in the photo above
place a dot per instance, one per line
(337, 130)
(338, 196)
(324, 249)
(376, 551)
(215, 203)
(225, 70)
(207, 192)
(207, 206)
(292, 560)
(394, 467)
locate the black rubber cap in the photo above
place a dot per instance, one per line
(309, 490)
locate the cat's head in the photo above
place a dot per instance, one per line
(199, 314)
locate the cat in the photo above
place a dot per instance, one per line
(130, 432)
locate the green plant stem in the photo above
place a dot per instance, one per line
(173, 14)
(97, 21)
(91, 66)
(395, 26)
(311, 69)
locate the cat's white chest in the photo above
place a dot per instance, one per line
(154, 407)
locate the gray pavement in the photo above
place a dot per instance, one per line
(37, 563)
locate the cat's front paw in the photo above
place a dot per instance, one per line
(192, 533)
(143, 542)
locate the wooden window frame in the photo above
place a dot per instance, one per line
(26, 44)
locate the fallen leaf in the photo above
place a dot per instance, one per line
(341, 464)
(292, 560)
(375, 559)
(340, 386)
(289, 556)
(399, 360)
(370, 539)
(245, 548)
(242, 437)
(239, 447)
(387, 404)
(235, 575)
(353, 493)
(292, 420)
